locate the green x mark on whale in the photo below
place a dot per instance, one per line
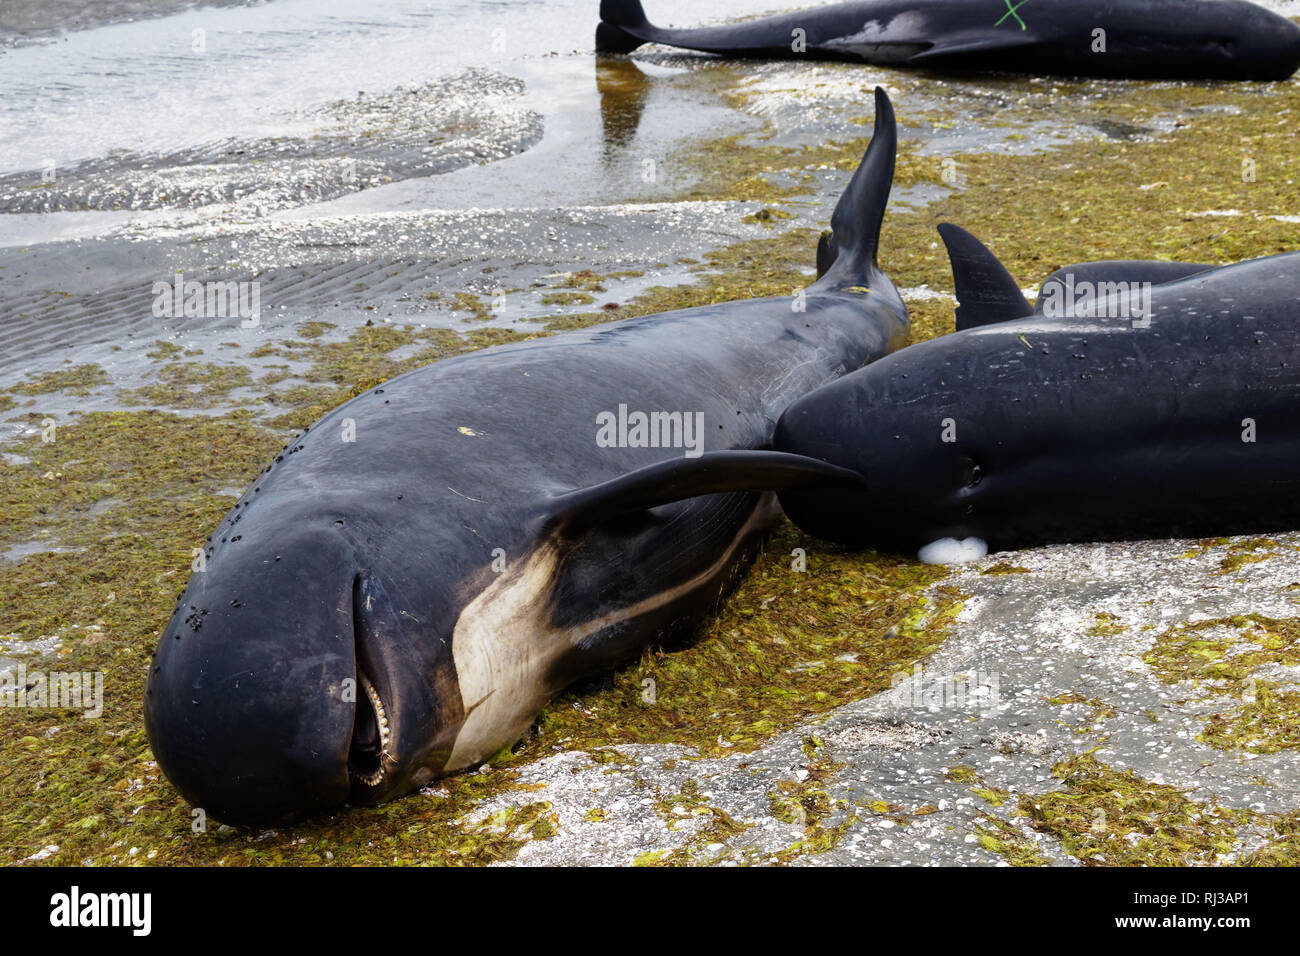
(1011, 12)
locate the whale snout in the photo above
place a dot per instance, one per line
(917, 486)
(1286, 54)
(252, 703)
(1267, 46)
(814, 426)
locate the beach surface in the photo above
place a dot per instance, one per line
(404, 181)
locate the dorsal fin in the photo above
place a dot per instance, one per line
(986, 291)
(680, 478)
(855, 223)
(620, 22)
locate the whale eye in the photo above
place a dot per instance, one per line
(971, 473)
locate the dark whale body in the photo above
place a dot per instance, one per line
(1079, 424)
(1170, 39)
(378, 612)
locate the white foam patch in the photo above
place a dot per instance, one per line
(923, 293)
(907, 27)
(1238, 212)
(953, 551)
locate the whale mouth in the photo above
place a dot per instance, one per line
(370, 736)
(369, 756)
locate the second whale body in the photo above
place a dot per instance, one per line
(1168, 39)
(1154, 400)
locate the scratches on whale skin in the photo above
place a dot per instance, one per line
(466, 497)
(777, 386)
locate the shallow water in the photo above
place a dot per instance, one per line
(199, 76)
(358, 158)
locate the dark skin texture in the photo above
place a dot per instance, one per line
(1073, 428)
(1143, 38)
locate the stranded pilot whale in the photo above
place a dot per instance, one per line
(375, 613)
(1138, 400)
(1167, 39)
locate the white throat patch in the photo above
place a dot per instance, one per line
(504, 644)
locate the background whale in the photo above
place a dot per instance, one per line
(1143, 411)
(1212, 39)
(377, 612)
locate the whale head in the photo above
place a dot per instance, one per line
(290, 679)
(1231, 39)
(927, 475)
(1266, 43)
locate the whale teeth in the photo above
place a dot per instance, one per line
(381, 715)
(373, 778)
(369, 779)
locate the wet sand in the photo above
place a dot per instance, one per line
(28, 20)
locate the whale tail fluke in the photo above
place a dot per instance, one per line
(986, 291)
(849, 254)
(617, 17)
